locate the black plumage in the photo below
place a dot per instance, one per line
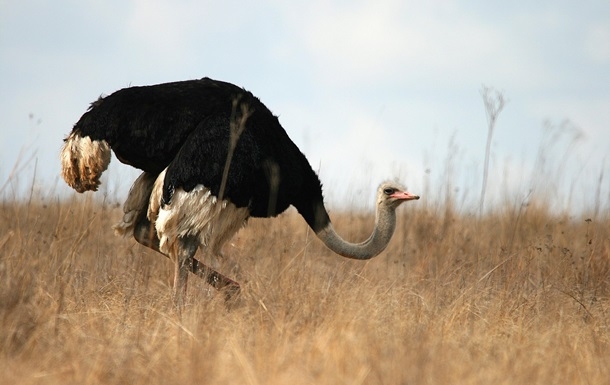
(186, 127)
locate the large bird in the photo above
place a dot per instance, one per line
(213, 155)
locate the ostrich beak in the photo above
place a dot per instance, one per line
(404, 196)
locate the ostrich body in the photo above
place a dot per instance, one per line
(212, 156)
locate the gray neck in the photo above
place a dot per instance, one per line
(385, 223)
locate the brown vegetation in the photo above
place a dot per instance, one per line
(518, 296)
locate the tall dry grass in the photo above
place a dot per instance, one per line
(518, 296)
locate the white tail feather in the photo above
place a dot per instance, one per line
(83, 161)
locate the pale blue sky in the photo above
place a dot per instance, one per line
(369, 90)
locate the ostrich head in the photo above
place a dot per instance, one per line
(391, 194)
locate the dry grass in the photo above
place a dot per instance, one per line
(517, 297)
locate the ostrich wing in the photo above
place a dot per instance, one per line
(202, 160)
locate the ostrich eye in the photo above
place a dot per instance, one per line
(388, 191)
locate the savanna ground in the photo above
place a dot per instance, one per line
(518, 296)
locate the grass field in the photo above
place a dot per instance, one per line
(518, 296)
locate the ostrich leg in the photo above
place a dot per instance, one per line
(144, 233)
(185, 249)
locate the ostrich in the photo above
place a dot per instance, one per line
(212, 156)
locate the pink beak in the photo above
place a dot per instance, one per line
(404, 196)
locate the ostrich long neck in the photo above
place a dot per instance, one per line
(309, 201)
(385, 223)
